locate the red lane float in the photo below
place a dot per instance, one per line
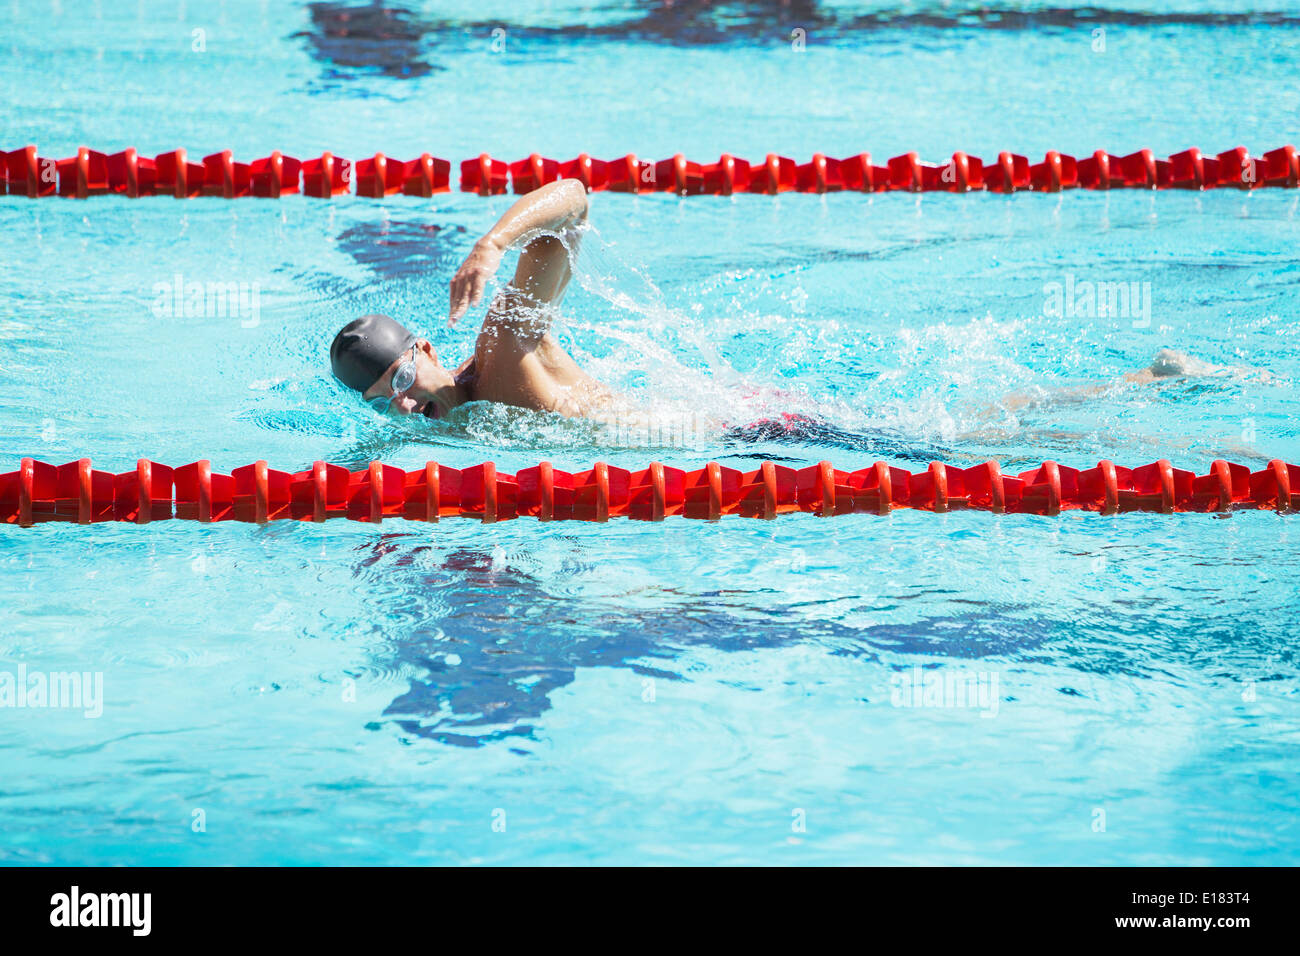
(90, 173)
(75, 492)
(381, 176)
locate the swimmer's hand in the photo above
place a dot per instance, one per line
(472, 277)
(536, 218)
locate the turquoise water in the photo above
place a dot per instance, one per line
(689, 692)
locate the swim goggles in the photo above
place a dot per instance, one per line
(403, 379)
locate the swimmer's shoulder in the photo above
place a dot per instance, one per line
(507, 374)
(542, 376)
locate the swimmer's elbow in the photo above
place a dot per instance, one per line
(576, 193)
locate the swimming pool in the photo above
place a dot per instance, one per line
(691, 692)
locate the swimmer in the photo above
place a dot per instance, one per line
(516, 360)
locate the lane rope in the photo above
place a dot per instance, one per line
(75, 492)
(90, 173)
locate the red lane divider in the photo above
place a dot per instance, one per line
(75, 492)
(90, 173)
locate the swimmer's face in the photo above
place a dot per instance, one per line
(434, 393)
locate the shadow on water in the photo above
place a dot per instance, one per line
(515, 641)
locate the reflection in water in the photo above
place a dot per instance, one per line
(401, 249)
(392, 41)
(515, 641)
(699, 22)
(367, 39)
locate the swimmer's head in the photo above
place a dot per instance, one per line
(371, 352)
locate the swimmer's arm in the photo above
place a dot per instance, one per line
(543, 270)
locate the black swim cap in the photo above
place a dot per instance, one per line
(365, 347)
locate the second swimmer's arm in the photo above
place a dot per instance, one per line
(543, 270)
